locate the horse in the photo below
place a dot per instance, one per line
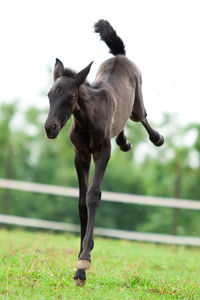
(100, 111)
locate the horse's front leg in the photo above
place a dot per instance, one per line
(82, 164)
(93, 196)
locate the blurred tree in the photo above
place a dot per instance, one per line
(7, 112)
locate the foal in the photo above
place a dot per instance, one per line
(100, 112)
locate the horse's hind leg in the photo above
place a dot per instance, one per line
(122, 142)
(155, 137)
(139, 115)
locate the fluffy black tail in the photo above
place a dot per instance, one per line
(110, 37)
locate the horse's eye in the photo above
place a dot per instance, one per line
(59, 89)
(70, 98)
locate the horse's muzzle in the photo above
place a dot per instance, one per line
(52, 128)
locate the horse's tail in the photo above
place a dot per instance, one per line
(110, 37)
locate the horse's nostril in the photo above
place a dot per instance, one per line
(51, 127)
(46, 128)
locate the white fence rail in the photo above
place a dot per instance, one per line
(106, 196)
(114, 233)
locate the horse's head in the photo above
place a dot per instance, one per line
(63, 97)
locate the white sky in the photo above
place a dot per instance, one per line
(161, 36)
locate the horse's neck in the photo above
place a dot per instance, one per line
(83, 112)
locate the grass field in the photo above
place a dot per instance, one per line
(41, 266)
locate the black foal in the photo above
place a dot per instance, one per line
(100, 112)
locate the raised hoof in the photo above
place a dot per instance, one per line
(79, 282)
(159, 142)
(127, 147)
(80, 277)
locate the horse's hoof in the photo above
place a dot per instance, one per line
(79, 282)
(159, 142)
(80, 277)
(80, 274)
(127, 147)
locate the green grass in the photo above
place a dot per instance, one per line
(41, 266)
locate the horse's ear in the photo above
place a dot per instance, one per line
(81, 76)
(58, 69)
